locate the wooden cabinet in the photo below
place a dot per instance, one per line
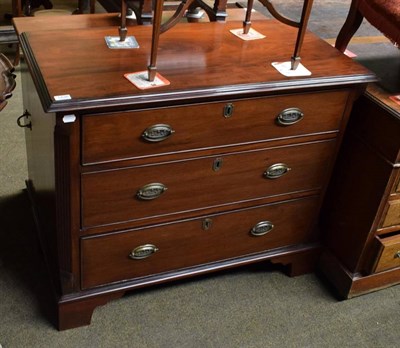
(362, 211)
(227, 165)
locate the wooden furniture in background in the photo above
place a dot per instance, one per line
(383, 15)
(225, 166)
(143, 9)
(25, 8)
(362, 213)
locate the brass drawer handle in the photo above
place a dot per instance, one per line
(276, 171)
(151, 191)
(289, 116)
(397, 255)
(262, 228)
(143, 251)
(157, 132)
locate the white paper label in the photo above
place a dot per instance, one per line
(69, 118)
(62, 97)
(285, 68)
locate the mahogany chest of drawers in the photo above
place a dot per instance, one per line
(361, 217)
(227, 165)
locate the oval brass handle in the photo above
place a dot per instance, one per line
(151, 191)
(397, 255)
(262, 228)
(143, 251)
(157, 132)
(289, 116)
(276, 171)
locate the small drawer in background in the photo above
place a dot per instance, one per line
(388, 253)
(392, 216)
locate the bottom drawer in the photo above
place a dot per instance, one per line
(108, 258)
(388, 254)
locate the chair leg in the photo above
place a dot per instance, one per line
(84, 4)
(47, 4)
(144, 12)
(92, 6)
(28, 8)
(353, 22)
(16, 8)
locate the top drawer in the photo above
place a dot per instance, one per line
(127, 135)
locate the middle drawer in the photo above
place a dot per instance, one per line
(140, 192)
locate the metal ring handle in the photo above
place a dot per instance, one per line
(24, 124)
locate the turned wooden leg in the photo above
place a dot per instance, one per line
(219, 10)
(83, 5)
(193, 13)
(247, 20)
(16, 8)
(28, 8)
(305, 15)
(152, 69)
(47, 4)
(350, 26)
(92, 6)
(123, 30)
(145, 12)
(76, 313)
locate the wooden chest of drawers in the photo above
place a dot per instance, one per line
(225, 166)
(362, 212)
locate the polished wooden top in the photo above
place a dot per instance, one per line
(38, 23)
(201, 60)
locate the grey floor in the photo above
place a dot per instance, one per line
(248, 307)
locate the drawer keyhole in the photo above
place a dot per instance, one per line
(207, 224)
(228, 110)
(217, 164)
